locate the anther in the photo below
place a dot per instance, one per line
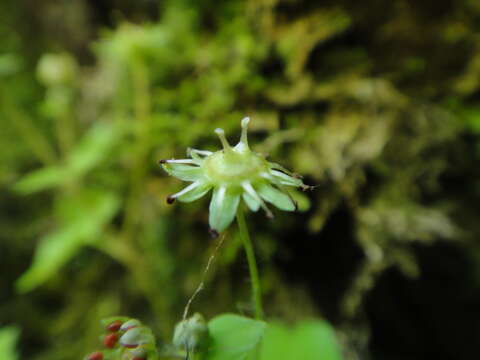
(213, 233)
(170, 200)
(307, 187)
(162, 161)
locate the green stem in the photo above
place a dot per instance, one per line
(252, 264)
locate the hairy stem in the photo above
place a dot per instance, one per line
(252, 264)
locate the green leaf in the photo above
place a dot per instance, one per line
(234, 337)
(41, 179)
(8, 339)
(93, 148)
(313, 340)
(81, 218)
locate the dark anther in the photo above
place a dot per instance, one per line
(296, 205)
(163, 161)
(213, 233)
(170, 200)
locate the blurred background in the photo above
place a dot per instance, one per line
(376, 102)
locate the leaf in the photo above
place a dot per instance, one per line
(313, 340)
(8, 339)
(41, 179)
(92, 149)
(81, 220)
(234, 337)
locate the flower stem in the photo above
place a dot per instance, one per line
(252, 264)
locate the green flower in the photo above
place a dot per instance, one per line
(233, 173)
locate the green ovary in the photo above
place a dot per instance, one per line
(233, 168)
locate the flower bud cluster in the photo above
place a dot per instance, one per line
(191, 334)
(125, 339)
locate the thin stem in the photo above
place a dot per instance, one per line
(252, 264)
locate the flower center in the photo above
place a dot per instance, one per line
(234, 167)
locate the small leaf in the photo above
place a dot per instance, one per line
(313, 340)
(41, 179)
(81, 221)
(234, 337)
(8, 339)
(93, 148)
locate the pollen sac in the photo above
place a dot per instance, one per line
(191, 334)
(233, 174)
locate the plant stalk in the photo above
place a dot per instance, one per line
(252, 264)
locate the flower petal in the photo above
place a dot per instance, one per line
(192, 192)
(276, 197)
(183, 171)
(252, 203)
(223, 208)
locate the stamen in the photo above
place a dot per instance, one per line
(171, 198)
(251, 191)
(286, 179)
(213, 233)
(244, 136)
(181, 161)
(223, 139)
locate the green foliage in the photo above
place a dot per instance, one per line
(356, 98)
(8, 340)
(238, 338)
(234, 337)
(311, 340)
(81, 220)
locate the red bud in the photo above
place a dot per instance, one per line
(97, 355)
(114, 326)
(110, 340)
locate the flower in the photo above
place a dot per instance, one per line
(233, 173)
